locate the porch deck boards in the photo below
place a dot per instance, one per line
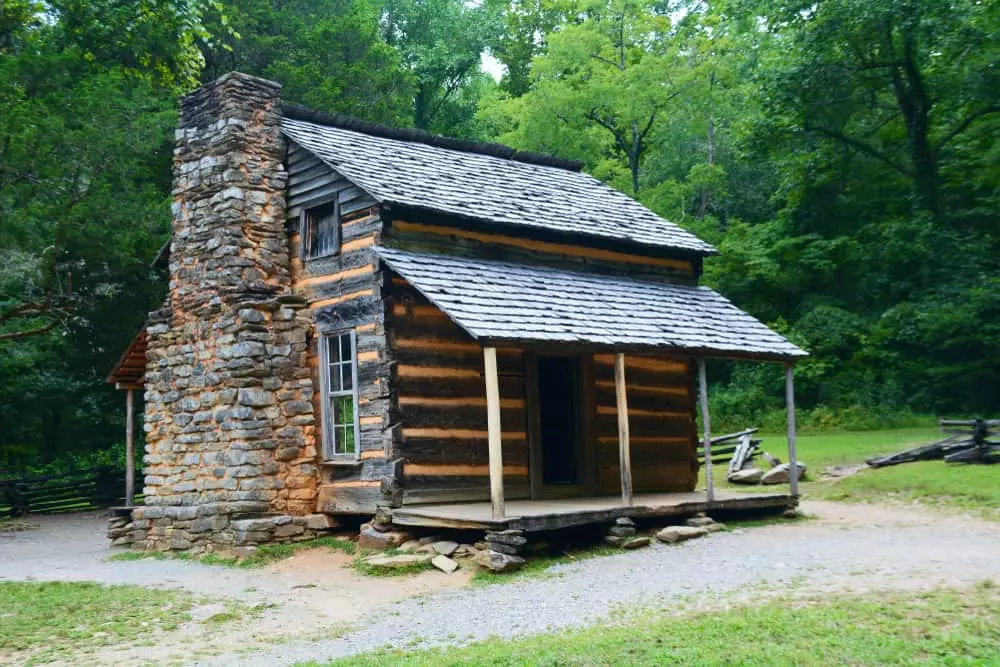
(538, 515)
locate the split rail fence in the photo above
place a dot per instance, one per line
(75, 491)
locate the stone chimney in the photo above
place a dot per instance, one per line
(230, 433)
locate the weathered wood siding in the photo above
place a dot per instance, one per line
(663, 434)
(311, 183)
(343, 292)
(444, 239)
(439, 402)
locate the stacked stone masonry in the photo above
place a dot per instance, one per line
(229, 418)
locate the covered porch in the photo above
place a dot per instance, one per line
(551, 312)
(555, 514)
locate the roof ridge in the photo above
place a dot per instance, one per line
(297, 112)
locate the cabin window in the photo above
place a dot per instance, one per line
(338, 354)
(320, 230)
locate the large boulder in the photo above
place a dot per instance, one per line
(781, 474)
(673, 534)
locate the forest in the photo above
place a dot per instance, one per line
(842, 155)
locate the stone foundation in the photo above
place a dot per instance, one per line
(182, 529)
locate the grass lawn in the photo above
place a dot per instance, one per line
(264, 555)
(943, 628)
(960, 486)
(41, 622)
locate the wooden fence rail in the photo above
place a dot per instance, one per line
(68, 492)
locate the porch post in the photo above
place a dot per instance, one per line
(792, 456)
(707, 442)
(129, 447)
(493, 427)
(624, 452)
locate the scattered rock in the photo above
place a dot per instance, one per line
(615, 541)
(371, 538)
(481, 545)
(498, 562)
(672, 534)
(774, 461)
(746, 476)
(715, 527)
(504, 548)
(465, 551)
(636, 543)
(409, 545)
(400, 560)
(514, 538)
(700, 521)
(624, 521)
(792, 513)
(320, 522)
(445, 547)
(444, 564)
(621, 531)
(781, 474)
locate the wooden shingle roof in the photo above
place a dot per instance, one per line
(487, 186)
(500, 302)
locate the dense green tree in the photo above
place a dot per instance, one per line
(327, 54)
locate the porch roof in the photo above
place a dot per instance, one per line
(507, 303)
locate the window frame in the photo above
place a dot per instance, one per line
(329, 426)
(309, 216)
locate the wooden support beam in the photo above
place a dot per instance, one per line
(792, 454)
(129, 447)
(707, 442)
(624, 453)
(494, 433)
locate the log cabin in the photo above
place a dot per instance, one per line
(363, 319)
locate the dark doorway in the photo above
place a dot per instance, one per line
(559, 424)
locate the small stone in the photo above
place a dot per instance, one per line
(624, 521)
(700, 521)
(369, 538)
(400, 560)
(481, 545)
(791, 513)
(465, 551)
(672, 534)
(409, 546)
(514, 538)
(615, 541)
(444, 563)
(498, 562)
(621, 531)
(503, 548)
(781, 474)
(746, 476)
(715, 527)
(320, 522)
(445, 547)
(636, 543)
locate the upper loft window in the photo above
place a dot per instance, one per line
(320, 230)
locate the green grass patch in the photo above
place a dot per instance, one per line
(974, 488)
(40, 622)
(264, 555)
(958, 486)
(942, 627)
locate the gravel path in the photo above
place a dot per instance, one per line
(849, 547)
(846, 550)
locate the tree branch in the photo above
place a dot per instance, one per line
(860, 146)
(969, 120)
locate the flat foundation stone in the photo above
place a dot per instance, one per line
(673, 534)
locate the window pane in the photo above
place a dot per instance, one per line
(345, 347)
(334, 349)
(343, 410)
(349, 439)
(348, 377)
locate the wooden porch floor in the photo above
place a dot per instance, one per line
(537, 515)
